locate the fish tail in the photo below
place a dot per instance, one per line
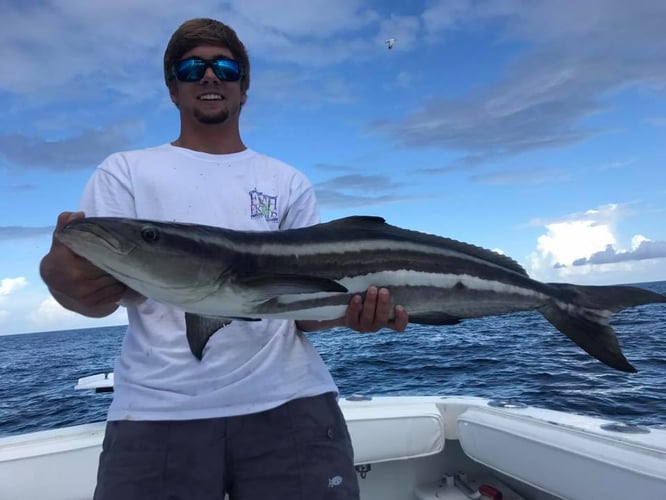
(583, 313)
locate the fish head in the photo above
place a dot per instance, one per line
(168, 262)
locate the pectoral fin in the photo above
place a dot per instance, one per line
(268, 286)
(201, 328)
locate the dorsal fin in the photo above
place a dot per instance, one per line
(358, 220)
(488, 255)
(369, 223)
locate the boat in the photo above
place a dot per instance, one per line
(408, 448)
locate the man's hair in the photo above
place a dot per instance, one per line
(202, 31)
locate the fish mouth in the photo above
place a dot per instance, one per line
(105, 232)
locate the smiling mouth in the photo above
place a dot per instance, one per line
(211, 97)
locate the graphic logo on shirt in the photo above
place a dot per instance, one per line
(263, 205)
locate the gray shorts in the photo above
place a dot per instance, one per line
(298, 451)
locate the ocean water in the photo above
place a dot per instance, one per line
(518, 356)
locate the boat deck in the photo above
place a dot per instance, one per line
(412, 448)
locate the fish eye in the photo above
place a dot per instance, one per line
(150, 234)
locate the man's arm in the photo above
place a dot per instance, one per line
(74, 282)
(369, 315)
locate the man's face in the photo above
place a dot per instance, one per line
(209, 100)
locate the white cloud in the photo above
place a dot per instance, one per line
(533, 175)
(318, 19)
(114, 50)
(445, 15)
(72, 152)
(644, 250)
(637, 240)
(118, 46)
(584, 248)
(567, 241)
(26, 308)
(574, 57)
(50, 312)
(9, 286)
(49, 315)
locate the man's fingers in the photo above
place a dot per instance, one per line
(352, 317)
(96, 291)
(383, 307)
(110, 291)
(65, 217)
(368, 314)
(401, 319)
(374, 311)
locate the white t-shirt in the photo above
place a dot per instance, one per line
(247, 366)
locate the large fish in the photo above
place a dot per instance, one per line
(216, 275)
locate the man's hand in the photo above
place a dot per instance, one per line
(365, 315)
(74, 282)
(372, 314)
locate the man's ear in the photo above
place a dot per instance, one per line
(243, 98)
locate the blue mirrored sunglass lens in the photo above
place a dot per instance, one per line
(226, 69)
(192, 70)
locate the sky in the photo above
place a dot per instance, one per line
(534, 128)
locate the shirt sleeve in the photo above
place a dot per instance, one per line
(109, 192)
(303, 210)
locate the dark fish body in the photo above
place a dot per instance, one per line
(216, 275)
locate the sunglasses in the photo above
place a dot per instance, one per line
(193, 69)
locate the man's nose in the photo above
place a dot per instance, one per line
(209, 75)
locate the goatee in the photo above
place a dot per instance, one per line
(211, 118)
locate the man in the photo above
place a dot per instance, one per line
(257, 417)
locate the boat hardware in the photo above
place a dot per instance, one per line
(363, 470)
(506, 403)
(625, 428)
(358, 397)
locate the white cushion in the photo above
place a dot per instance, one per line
(568, 458)
(384, 433)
